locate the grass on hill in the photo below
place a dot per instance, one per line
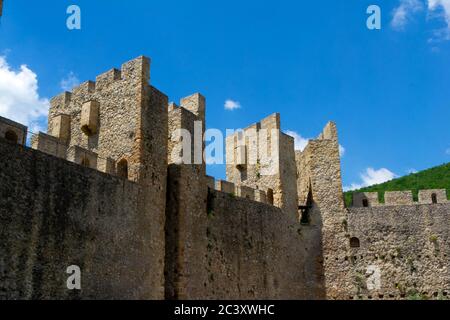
(434, 178)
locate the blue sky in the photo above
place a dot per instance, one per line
(312, 61)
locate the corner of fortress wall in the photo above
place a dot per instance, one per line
(319, 171)
(320, 187)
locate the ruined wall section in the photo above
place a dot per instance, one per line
(55, 214)
(401, 253)
(320, 189)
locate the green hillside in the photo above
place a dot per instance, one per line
(434, 178)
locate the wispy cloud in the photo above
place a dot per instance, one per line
(440, 9)
(19, 97)
(232, 105)
(341, 150)
(69, 82)
(405, 12)
(402, 14)
(371, 177)
(447, 151)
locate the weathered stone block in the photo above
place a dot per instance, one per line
(49, 144)
(89, 117)
(433, 196)
(260, 196)
(365, 199)
(271, 122)
(196, 104)
(61, 127)
(62, 100)
(106, 165)
(108, 77)
(210, 182)
(241, 156)
(245, 192)
(82, 157)
(394, 198)
(84, 89)
(225, 186)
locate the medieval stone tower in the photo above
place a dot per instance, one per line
(262, 157)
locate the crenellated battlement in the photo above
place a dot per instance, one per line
(239, 191)
(399, 198)
(108, 77)
(136, 70)
(62, 100)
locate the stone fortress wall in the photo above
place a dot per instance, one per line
(110, 188)
(398, 249)
(55, 214)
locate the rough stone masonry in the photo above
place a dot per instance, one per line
(102, 190)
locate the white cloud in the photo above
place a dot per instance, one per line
(341, 150)
(301, 142)
(441, 9)
(403, 13)
(232, 105)
(371, 177)
(435, 9)
(412, 171)
(69, 82)
(19, 97)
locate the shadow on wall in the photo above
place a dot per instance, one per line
(314, 273)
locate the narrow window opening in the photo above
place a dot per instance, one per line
(270, 196)
(434, 198)
(365, 203)
(305, 218)
(354, 242)
(122, 169)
